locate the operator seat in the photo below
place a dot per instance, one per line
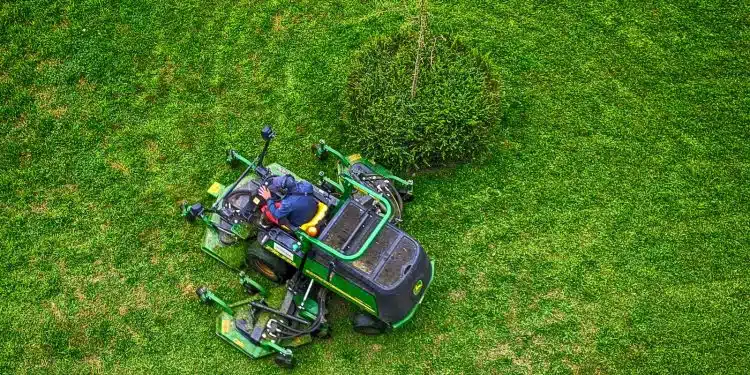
(319, 216)
(315, 222)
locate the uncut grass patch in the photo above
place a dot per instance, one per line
(414, 104)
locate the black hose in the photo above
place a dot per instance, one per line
(297, 333)
(277, 312)
(399, 202)
(395, 193)
(294, 330)
(396, 202)
(315, 324)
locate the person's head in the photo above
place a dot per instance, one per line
(282, 184)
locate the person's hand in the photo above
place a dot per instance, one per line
(263, 191)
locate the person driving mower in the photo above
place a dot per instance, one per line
(297, 205)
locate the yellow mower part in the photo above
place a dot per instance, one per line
(322, 209)
(215, 189)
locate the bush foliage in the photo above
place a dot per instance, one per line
(450, 118)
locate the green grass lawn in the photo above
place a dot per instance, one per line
(606, 233)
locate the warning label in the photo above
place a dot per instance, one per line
(283, 251)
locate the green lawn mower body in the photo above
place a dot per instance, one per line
(353, 247)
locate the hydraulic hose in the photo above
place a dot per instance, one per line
(315, 324)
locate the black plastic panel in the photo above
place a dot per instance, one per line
(389, 268)
(401, 258)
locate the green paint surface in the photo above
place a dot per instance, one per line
(342, 286)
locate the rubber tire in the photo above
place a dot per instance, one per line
(201, 291)
(251, 290)
(367, 324)
(322, 333)
(284, 361)
(323, 156)
(406, 197)
(269, 265)
(188, 217)
(232, 161)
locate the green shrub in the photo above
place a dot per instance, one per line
(450, 118)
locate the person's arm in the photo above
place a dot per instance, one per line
(281, 212)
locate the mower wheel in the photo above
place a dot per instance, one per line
(268, 265)
(201, 292)
(251, 286)
(406, 196)
(231, 159)
(284, 361)
(367, 324)
(323, 332)
(185, 212)
(319, 151)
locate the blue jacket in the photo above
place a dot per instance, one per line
(298, 206)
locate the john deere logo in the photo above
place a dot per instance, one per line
(417, 287)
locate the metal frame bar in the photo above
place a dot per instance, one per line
(349, 183)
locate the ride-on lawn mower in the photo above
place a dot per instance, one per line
(352, 246)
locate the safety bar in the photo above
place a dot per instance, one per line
(338, 253)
